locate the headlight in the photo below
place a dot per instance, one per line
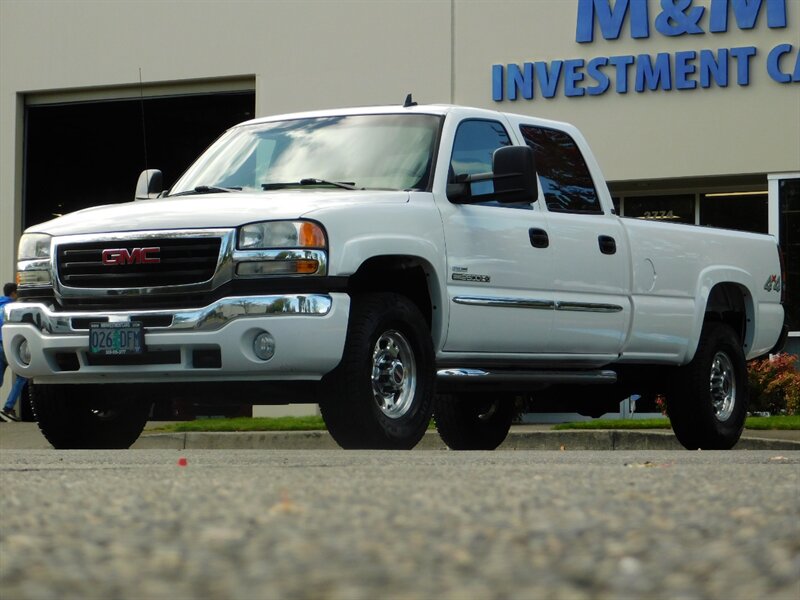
(281, 234)
(34, 245)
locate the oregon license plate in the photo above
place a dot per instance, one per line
(116, 338)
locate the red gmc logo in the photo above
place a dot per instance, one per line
(136, 256)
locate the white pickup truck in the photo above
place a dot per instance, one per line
(389, 264)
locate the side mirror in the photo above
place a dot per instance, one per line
(514, 169)
(513, 179)
(149, 185)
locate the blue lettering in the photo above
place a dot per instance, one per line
(774, 63)
(743, 56)
(497, 83)
(517, 79)
(683, 69)
(711, 67)
(678, 18)
(610, 20)
(653, 76)
(796, 74)
(746, 13)
(572, 76)
(548, 78)
(595, 73)
(621, 63)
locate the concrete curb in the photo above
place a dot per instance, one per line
(598, 439)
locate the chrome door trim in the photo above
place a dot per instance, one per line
(537, 304)
(505, 302)
(588, 307)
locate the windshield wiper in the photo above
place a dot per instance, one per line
(207, 189)
(347, 185)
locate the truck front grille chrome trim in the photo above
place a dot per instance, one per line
(195, 260)
(208, 318)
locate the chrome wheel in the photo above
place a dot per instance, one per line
(722, 386)
(394, 374)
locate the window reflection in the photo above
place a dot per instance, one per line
(565, 178)
(370, 151)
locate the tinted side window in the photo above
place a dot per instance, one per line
(474, 145)
(565, 178)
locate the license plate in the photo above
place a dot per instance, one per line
(116, 338)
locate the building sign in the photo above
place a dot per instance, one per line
(682, 70)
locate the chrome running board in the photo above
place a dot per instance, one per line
(481, 376)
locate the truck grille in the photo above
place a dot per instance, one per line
(181, 261)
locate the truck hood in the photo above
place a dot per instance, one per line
(210, 210)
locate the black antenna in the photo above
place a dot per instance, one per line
(409, 102)
(144, 129)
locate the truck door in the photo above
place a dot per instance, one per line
(591, 271)
(498, 258)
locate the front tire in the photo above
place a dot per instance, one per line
(707, 405)
(89, 416)
(381, 394)
(473, 422)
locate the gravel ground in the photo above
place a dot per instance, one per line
(365, 525)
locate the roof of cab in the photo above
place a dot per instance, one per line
(428, 109)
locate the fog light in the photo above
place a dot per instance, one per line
(24, 353)
(264, 346)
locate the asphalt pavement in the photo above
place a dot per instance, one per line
(361, 525)
(521, 437)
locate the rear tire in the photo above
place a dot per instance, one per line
(473, 422)
(707, 405)
(381, 394)
(89, 416)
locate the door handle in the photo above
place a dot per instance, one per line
(539, 238)
(608, 245)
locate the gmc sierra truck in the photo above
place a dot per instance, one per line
(389, 264)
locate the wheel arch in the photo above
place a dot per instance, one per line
(726, 298)
(411, 276)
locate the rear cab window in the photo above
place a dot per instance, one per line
(565, 178)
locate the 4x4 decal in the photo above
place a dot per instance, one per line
(773, 283)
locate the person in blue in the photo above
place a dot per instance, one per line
(7, 413)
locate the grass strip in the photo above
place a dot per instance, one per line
(617, 424)
(247, 424)
(776, 422)
(762, 423)
(316, 423)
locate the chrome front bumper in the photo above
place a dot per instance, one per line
(309, 332)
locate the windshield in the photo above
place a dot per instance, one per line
(365, 151)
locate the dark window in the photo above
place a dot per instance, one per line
(789, 203)
(473, 148)
(744, 212)
(670, 209)
(562, 170)
(474, 145)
